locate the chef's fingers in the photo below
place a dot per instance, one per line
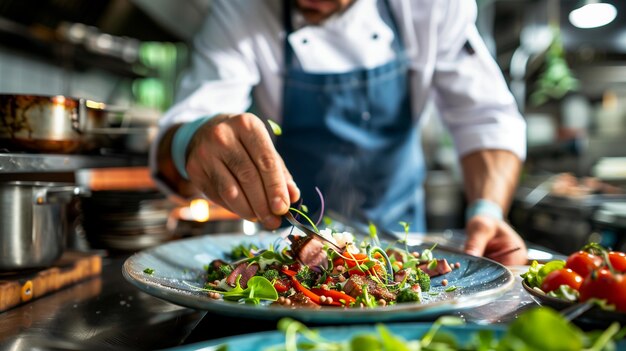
(207, 170)
(480, 230)
(251, 182)
(258, 143)
(225, 187)
(508, 247)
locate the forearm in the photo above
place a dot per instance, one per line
(491, 175)
(166, 171)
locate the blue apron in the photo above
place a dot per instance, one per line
(352, 135)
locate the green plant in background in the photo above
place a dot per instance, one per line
(165, 59)
(557, 79)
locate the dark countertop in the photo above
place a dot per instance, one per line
(101, 313)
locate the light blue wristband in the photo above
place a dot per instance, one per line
(484, 207)
(180, 142)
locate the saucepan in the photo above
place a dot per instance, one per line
(33, 223)
(54, 124)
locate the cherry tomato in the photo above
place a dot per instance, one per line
(602, 284)
(618, 261)
(582, 262)
(564, 276)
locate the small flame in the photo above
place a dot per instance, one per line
(199, 209)
(58, 100)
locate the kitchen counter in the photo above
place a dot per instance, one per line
(108, 313)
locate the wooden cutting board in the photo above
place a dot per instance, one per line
(19, 288)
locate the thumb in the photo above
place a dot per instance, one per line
(479, 232)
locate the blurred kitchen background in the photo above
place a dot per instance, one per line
(568, 75)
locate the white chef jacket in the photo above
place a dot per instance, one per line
(238, 56)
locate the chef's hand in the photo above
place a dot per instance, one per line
(488, 236)
(232, 159)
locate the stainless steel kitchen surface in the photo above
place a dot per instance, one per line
(85, 83)
(108, 313)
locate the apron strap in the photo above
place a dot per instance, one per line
(288, 26)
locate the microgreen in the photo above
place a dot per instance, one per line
(451, 288)
(276, 129)
(383, 254)
(148, 271)
(305, 217)
(258, 288)
(427, 254)
(374, 234)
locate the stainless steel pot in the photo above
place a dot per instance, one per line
(54, 124)
(32, 223)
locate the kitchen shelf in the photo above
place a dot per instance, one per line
(42, 163)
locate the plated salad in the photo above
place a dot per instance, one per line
(307, 273)
(591, 274)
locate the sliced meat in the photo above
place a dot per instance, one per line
(442, 268)
(354, 288)
(216, 264)
(309, 252)
(400, 275)
(302, 300)
(246, 271)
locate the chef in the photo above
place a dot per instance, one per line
(348, 82)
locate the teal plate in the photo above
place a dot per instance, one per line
(178, 267)
(407, 331)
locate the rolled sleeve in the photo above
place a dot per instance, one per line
(471, 94)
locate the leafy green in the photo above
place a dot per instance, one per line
(537, 272)
(565, 292)
(366, 342)
(259, 288)
(536, 329)
(389, 341)
(148, 271)
(531, 330)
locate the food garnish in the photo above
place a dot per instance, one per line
(527, 332)
(592, 274)
(308, 273)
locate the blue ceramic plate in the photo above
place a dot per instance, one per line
(178, 267)
(408, 331)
